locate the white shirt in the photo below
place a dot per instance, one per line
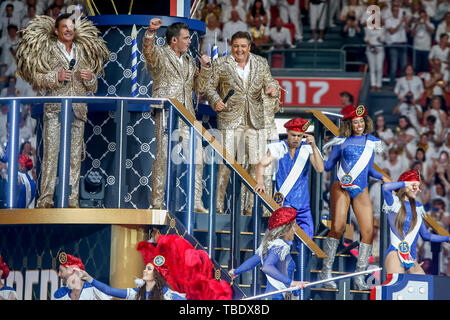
(209, 37)
(226, 13)
(231, 28)
(359, 10)
(437, 53)
(5, 21)
(403, 86)
(411, 111)
(437, 90)
(397, 169)
(396, 37)
(422, 37)
(375, 37)
(88, 292)
(430, 7)
(19, 8)
(442, 28)
(243, 72)
(62, 46)
(6, 43)
(280, 38)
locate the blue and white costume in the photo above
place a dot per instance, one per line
(88, 292)
(130, 293)
(406, 246)
(278, 267)
(6, 292)
(292, 181)
(355, 154)
(27, 190)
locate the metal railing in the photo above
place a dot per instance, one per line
(316, 51)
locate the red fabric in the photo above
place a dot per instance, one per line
(26, 161)
(4, 268)
(186, 269)
(297, 124)
(410, 175)
(281, 217)
(352, 112)
(73, 262)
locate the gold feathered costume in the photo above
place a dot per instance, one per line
(38, 61)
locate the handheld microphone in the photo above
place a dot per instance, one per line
(228, 96)
(71, 64)
(195, 51)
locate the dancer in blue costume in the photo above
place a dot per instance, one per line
(405, 217)
(6, 293)
(354, 151)
(27, 186)
(274, 253)
(152, 286)
(293, 157)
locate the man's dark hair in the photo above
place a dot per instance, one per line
(348, 94)
(62, 17)
(431, 119)
(12, 26)
(174, 30)
(9, 5)
(443, 35)
(241, 35)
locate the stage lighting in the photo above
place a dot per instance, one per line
(92, 190)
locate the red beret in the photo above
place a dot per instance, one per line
(70, 261)
(4, 268)
(281, 217)
(352, 112)
(410, 175)
(297, 124)
(25, 161)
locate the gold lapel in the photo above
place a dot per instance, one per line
(174, 60)
(231, 65)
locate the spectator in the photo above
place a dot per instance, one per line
(422, 31)
(374, 39)
(440, 51)
(18, 5)
(333, 12)
(346, 99)
(409, 83)
(212, 33)
(226, 11)
(260, 36)
(434, 109)
(435, 82)
(396, 26)
(396, 163)
(430, 128)
(446, 145)
(257, 11)
(352, 34)
(280, 36)
(9, 19)
(408, 108)
(443, 28)
(39, 5)
(211, 7)
(290, 13)
(53, 11)
(430, 7)
(10, 90)
(442, 8)
(3, 121)
(406, 136)
(31, 13)
(382, 132)
(233, 26)
(317, 17)
(428, 148)
(353, 8)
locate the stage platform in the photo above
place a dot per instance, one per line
(83, 216)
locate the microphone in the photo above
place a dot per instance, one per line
(228, 96)
(71, 64)
(195, 51)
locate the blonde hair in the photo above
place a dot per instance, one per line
(275, 233)
(401, 215)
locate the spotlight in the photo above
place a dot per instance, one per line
(92, 190)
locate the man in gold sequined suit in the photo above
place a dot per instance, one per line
(54, 44)
(241, 120)
(174, 75)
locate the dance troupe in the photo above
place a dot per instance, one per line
(174, 269)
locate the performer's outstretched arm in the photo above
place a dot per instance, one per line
(387, 191)
(264, 162)
(427, 236)
(248, 265)
(114, 292)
